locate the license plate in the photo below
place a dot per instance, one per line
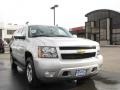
(80, 72)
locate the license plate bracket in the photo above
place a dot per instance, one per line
(80, 72)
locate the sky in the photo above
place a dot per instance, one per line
(70, 13)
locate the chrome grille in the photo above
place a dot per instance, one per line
(76, 52)
(75, 48)
(78, 56)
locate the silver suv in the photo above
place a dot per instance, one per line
(51, 53)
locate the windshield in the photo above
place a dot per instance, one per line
(48, 31)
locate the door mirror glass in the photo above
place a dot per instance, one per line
(19, 36)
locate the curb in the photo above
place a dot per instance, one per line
(109, 45)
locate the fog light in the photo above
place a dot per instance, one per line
(94, 69)
(49, 74)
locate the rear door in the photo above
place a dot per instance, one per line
(22, 47)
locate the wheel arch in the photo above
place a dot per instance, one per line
(28, 54)
(10, 49)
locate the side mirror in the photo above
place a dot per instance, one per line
(75, 36)
(19, 37)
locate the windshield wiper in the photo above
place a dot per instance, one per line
(40, 36)
(61, 36)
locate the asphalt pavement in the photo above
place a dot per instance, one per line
(107, 79)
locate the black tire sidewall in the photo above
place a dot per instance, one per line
(11, 59)
(34, 78)
(13, 65)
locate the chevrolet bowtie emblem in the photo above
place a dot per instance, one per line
(81, 51)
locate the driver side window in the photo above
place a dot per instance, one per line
(61, 32)
(23, 32)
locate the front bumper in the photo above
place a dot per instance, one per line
(52, 69)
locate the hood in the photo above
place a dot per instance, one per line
(63, 41)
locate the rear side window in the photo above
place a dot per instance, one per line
(20, 31)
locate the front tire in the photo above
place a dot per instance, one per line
(13, 65)
(80, 81)
(30, 73)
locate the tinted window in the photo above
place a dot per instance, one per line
(48, 31)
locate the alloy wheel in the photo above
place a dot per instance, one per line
(29, 72)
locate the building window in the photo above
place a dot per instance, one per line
(10, 32)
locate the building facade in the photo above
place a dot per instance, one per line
(7, 30)
(103, 26)
(79, 31)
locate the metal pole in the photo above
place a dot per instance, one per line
(54, 11)
(54, 16)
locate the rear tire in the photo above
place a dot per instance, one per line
(30, 73)
(13, 65)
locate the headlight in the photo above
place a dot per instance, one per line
(47, 52)
(98, 50)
